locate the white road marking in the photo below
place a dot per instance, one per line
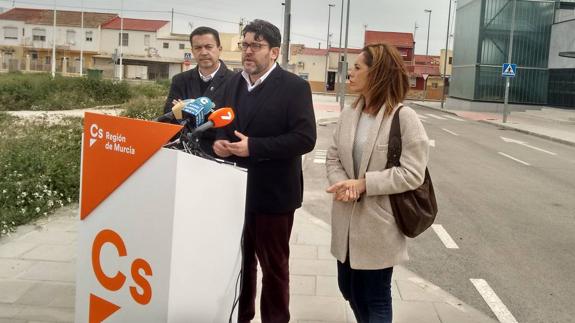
(421, 116)
(320, 156)
(523, 143)
(444, 236)
(497, 307)
(423, 121)
(449, 131)
(515, 159)
(452, 117)
(432, 143)
(436, 117)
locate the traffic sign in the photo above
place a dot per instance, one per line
(425, 76)
(187, 56)
(509, 70)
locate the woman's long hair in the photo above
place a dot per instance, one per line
(387, 78)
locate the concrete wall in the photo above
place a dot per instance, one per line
(442, 61)
(562, 40)
(136, 45)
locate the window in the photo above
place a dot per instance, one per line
(39, 34)
(10, 33)
(166, 45)
(412, 82)
(89, 36)
(450, 60)
(47, 60)
(123, 39)
(34, 55)
(147, 40)
(70, 37)
(434, 85)
(182, 46)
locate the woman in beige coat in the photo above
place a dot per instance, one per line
(365, 238)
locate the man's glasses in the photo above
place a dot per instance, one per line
(254, 46)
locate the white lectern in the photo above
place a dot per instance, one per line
(164, 245)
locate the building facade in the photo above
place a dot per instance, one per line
(27, 39)
(481, 46)
(562, 56)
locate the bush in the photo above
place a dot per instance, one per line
(40, 168)
(144, 108)
(41, 92)
(151, 90)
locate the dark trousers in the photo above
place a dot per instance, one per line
(367, 291)
(266, 238)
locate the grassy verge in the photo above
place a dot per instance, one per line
(39, 168)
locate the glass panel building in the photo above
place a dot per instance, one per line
(481, 46)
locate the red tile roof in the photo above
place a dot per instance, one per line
(314, 51)
(20, 14)
(399, 40)
(63, 18)
(341, 50)
(426, 69)
(136, 24)
(423, 59)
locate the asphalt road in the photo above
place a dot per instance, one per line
(508, 202)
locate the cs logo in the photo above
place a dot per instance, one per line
(95, 134)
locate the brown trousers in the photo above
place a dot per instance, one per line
(266, 238)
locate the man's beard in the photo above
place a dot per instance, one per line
(257, 68)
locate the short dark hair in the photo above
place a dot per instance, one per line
(264, 30)
(204, 31)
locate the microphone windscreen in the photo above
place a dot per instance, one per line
(222, 117)
(177, 110)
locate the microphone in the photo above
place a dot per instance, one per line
(196, 110)
(218, 119)
(175, 114)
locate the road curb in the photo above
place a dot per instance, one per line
(434, 109)
(506, 127)
(528, 132)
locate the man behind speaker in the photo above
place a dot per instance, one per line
(207, 79)
(274, 127)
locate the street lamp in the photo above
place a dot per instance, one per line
(446, 54)
(329, 6)
(426, 52)
(340, 78)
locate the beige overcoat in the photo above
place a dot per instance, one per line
(367, 227)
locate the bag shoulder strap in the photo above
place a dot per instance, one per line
(394, 144)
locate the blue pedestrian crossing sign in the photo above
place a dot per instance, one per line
(509, 70)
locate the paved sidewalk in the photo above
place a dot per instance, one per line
(549, 123)
(37, 275)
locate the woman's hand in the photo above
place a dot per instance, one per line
(347, 191)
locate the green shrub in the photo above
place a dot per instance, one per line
(41, 92)
(150, 90)
(39, 168)
(144, 108)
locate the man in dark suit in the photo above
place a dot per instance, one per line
(206, 79)
(274, 127)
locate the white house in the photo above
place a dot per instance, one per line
(27, 38)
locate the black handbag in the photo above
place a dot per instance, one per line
(414, 211)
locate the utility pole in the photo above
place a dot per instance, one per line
(509, 57)
(172, 23)
(426, 53)
(54, 43)
(121, 39)
(82, 39)
(339, 77)
(445, 60)
(344, 66)
(327, 44)
(286, 43)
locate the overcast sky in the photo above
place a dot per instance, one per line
(309, 17)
